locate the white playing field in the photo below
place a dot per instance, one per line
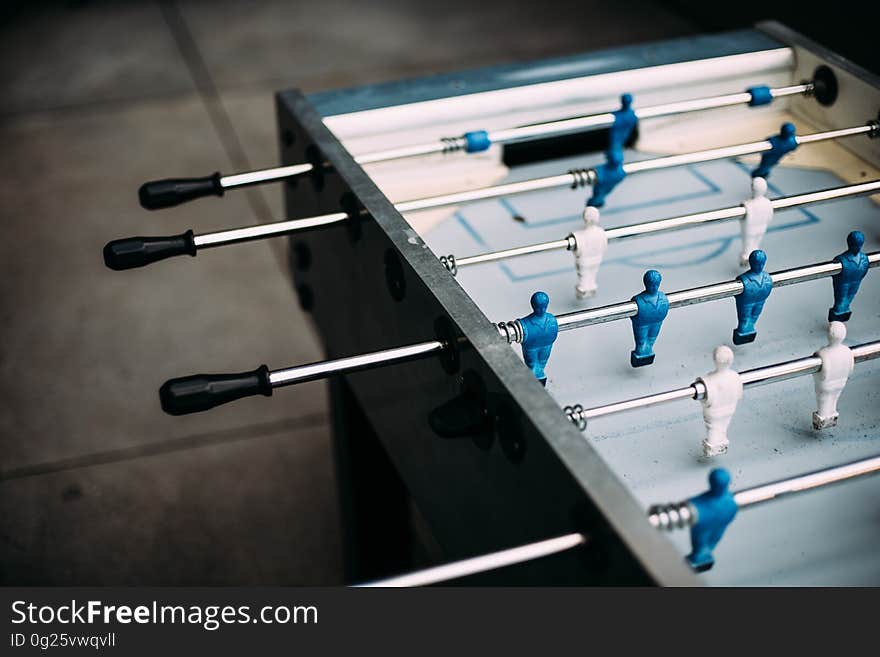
(825, 537)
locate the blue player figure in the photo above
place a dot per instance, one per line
(846, 284)
(715, 509)
(653, 308)
(757, 286)
(625, 121)
(539, 333)
(782, 144)
(608, 175)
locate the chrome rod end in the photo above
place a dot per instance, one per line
(448, 261)
(667, 517)
(576, 416)
(511, 331)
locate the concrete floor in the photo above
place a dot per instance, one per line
(97, 485)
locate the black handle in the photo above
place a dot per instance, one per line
(169, 192)
(201, 392)
(132, 252)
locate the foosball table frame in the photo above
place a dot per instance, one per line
(512, 469)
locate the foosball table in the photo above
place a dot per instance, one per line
(584, 315)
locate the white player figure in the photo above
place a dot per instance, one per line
(759, 214)
(590, 246)
(724, 389)
(837, 364)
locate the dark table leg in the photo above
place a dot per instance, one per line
(377, 528)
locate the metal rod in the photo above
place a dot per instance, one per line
(323, 369)
(510, 135)
(675, 223)
(802, 483)
(555, 245)
(735, 212)
(409, 151)
(696, 157)
(683, 514)
(790, 369)
(483, 563)
(264, 175)
(484, 193)
(830, 194)
(260, 231)
(718, 101)
(739, 149)
(869, 128)
(617, 311)
(752, 378)
(573, 179)
(688, 392)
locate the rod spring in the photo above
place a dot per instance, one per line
(667, 517)
(582, 177)
(575, 414)
(511, 331)
(453, 144)
(448, 261)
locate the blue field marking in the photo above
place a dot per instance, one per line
(711, 189)
(470, 230)
(647, 258)
(703, 178)
(507, 271)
